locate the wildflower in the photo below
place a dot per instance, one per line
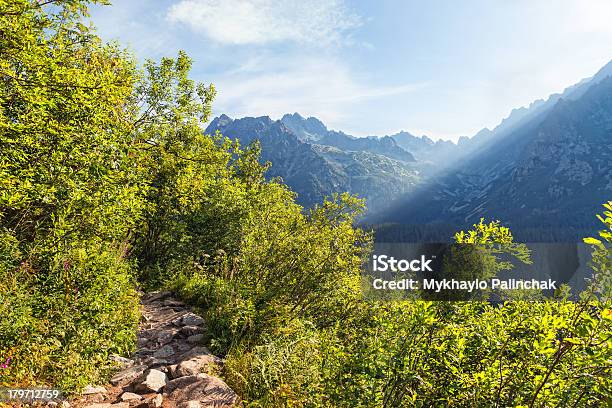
(6, 363)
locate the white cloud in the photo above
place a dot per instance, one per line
(320, 22)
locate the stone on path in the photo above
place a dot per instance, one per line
(208, 390)
(122, 361)
(191, 330)
(204, 362)
(192, 319)
(157, 401)
(90, 389)
(164, 352)
(190, 404)
(152, 381)
(196, 338)
(180, 382)
(153, 296)
(128, 374)
(153, 362)
(166, 337)
(173, 303)
(130, 396)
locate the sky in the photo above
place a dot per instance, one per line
(442, 68)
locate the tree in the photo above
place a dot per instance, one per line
(480, 253)
(71, 183)
(601, 283)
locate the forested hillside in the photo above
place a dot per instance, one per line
(109, 185)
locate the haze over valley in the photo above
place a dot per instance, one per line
(548, 164)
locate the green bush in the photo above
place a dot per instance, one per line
(420, 353)
(70, 194)
(285, 369)
(60, 327)
(288, 265)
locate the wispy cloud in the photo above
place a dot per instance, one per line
(322, 22)
(411, 65)
(317, 86)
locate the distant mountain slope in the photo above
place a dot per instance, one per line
(445, 153)
(315, 171)
(426, 150)
(299, 165)
(537, 110)
(314, 131)
(373, 176)
(384, 145)
(551, 168)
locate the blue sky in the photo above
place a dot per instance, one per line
(443, 68)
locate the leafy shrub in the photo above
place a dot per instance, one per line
(420, 353)
(289, 265)
(602, 256)
(70, 193)
(285, 369)
(59, 328)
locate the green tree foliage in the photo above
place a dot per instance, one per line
(602, 256)
(492, 241)
(481, 253)
(69, 195)
(183, 165)
(422, 353)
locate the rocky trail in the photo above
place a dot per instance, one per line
(170, 369)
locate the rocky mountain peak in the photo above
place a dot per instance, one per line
(306, 129)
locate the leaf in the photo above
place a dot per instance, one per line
(592, 241)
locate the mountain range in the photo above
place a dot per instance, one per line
(316, 162)
(544, 170)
